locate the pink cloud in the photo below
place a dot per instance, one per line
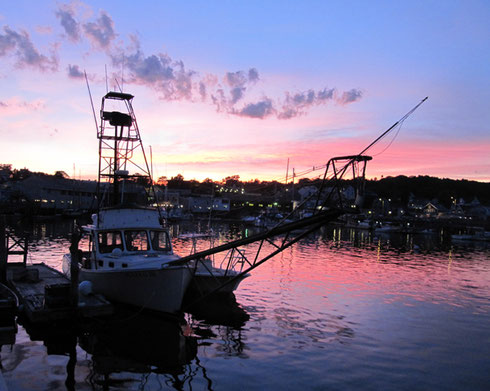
(268, 161)
(16, 106)
(445, 158)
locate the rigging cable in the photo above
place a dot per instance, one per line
(400, 121)
(391, 141)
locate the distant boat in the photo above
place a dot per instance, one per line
(195, 235)
(249, 219)
(475, 234)
(210, 278)
(387, 228)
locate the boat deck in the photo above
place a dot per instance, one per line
(30, 283)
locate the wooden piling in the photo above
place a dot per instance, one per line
(3, 250)
(76, 258)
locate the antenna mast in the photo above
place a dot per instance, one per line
(119, 145)
(91, 101)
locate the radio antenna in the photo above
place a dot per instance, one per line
(106, 85)
(91, 102)
(122, 74)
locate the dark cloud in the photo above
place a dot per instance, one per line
(203, 91)
(241, 78)
(8, 41)
(160, 72)
(149, 70)
(261, 109)
(237, 82)
(101, 32)
(67, 20)
(350, 96)
(297, 104)
(75, 72)
(253, 75)
(293, 105)
(173, 81)
(21, 46)
(234, 79)
(237, 93)
(219, 100)
(326, 94)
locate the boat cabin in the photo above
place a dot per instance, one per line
(132, 241)
(122, 238)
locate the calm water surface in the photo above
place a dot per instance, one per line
(340, 310)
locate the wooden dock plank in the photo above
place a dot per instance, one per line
(30, 286)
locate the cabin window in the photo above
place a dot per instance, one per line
(160, 241)
(85, 243)
(136, 240)
(111, 264)
(109, 240)
(101, 263)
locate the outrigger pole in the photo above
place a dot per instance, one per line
(400, 121)
(322, 213)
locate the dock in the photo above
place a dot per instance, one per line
(44, 294)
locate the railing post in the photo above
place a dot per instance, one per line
(26, 244)
(3, 250)
(76, 257)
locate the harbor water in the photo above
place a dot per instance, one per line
(340, 310)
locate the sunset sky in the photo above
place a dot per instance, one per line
(237, 88)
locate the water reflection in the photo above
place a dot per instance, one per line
(131, 349)
(137, 343)
(385, 308)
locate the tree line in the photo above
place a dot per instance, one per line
(398, 188)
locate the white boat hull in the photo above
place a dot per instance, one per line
(155, 289)
(204, 283)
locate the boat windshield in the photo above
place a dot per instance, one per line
(109, 240)
(160, 241)
(136, 240)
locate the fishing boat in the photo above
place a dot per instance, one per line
(128, 261)
(128, 254)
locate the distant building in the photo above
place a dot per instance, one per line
(307, 191)
(205, 204)
(55, 193)
(476, 210)
(48, 192)
(434, 209)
